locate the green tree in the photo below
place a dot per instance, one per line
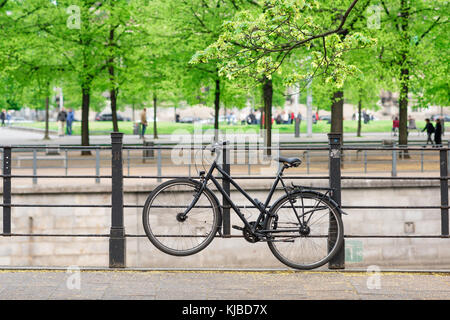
(30, 65)
(410, 43)
(260, 43)
(197, 24)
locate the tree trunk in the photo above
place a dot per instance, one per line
(262, 122)
(113, 99)
(337, 118)
(113, 89)
(337, 112)
(46, 135)
(155, 130)
(404, 73)
(358, 134)
(86, 96)
(403, 106)
(216, 110)
(267, 98)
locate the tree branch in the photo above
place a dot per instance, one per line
(428, 30)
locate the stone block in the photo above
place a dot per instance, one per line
(5, 261)
(39, 248)
(395, 253)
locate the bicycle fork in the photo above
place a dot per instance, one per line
(183, 216)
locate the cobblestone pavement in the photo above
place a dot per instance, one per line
(223, 285)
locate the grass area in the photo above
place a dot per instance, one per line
(104, 127)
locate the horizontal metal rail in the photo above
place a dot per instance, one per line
(22, 205)
(237, 147)
(234, 177)
(59, 235)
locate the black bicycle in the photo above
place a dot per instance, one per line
(303, 228)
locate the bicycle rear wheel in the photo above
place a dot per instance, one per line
(162, 223)
(312, 245)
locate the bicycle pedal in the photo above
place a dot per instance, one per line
(237, 228)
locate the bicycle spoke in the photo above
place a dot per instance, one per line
(302, 246)
(166, 229)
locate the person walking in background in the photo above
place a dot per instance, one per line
(3, 117)
(430, 130)
(251, 119)
(443, 125)
(242, 118)
(292, 117)
(62, 117)
(395, 125)
(278, 119)
(438, 133)
(69, 121)
(143, 122)
(284, 117)
(366, 117)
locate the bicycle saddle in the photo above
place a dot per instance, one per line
(293, 162)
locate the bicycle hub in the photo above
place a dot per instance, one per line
(181, 217)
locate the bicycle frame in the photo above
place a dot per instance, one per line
(264, 214)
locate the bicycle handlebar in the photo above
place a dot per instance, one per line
(216, 146)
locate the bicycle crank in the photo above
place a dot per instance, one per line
(248, 234)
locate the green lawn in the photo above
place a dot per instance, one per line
(104, 127)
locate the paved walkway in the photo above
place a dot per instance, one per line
(215, 285)
(9, 136)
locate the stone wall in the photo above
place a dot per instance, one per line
(222, 253)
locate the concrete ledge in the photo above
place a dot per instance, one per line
(50, 132)
(443, 272)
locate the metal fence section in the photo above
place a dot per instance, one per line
(374, 160)
(119, 161)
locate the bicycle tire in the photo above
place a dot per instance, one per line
(275, 245)
(179, 204)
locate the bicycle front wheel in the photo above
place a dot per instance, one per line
(162, 222)
(302, 238)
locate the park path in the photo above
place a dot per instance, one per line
(218, 285)
(10, 136)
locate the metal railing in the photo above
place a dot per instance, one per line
(117, 235)
(365, 160)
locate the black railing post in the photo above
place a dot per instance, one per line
(444, 192)
(6, 190)
(117, 241)
(335, 145)
(226, 223)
